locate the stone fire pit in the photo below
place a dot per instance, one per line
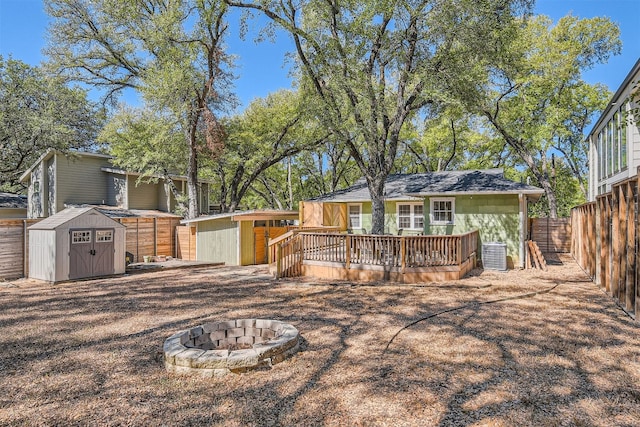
(215, 349)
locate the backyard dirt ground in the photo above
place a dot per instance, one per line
(523, 348)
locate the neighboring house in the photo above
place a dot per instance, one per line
(614, 141)
(57, 180)
(239, 238)
(435, 204)
(13, 206)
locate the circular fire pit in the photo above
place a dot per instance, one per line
(214, 349)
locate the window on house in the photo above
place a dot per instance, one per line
(616, 142)
(623, 136)
(609, 134)
(442, 210)
(410, 216)
(600, 157)
(355, 216)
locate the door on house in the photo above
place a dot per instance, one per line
(91, 253)
(261, 235)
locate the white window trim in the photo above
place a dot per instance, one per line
(411, 215)
(453, 210)
(359, 205)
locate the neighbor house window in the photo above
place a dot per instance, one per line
(410, 216)
(442, 210)
(623, 136)
(355, 216)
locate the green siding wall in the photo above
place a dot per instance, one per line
(496, 217)
(142, 195)
(80, 180)
(217, 241)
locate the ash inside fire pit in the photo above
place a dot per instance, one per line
(214, 349)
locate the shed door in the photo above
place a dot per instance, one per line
(103, 250)
(80, 258)
(91, 253)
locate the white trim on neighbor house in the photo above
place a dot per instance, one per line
(451, 211)
(350, 225)
(416, 220)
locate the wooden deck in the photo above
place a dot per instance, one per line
(404, 259)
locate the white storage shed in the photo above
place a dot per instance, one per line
(76, 243)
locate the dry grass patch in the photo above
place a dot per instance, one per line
(89, 353)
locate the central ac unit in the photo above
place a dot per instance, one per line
(494, 256)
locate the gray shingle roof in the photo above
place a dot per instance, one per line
(408, 186)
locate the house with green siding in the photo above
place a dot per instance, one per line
(239, 238)
(437, 203)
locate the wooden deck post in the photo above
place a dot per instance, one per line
(347, 251)
(403, 254)
(278, 262)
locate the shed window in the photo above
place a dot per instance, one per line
(81, 236)
(442, 210)
(104, 236)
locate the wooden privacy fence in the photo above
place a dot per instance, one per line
(605, 243)
(401, 252)
(14, 247)
(144, 236)
(150, 236)
(551, 234)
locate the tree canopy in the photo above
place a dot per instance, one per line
(171, 52)
(371, 66)
(39, 111)
(536, 100)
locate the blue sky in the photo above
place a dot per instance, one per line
(261, 68)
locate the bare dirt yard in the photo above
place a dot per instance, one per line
(523, 348)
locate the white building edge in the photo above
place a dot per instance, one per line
(614, 141)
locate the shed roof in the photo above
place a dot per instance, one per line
(67, 215)
(451, 183)
(252, 215)
(13, 201)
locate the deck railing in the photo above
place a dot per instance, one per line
(291, 251)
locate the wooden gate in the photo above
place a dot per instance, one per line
(261, 236)
(551, 235)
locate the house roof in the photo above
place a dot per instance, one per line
(116, 212)
(413, 186)
(252, 215)
(66, 215)
(13, 201)
(172, 176)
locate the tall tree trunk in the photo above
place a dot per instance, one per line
(376, 190)
(192, 175)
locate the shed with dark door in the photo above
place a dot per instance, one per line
(76, 243)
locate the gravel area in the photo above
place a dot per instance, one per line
(522, 348)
